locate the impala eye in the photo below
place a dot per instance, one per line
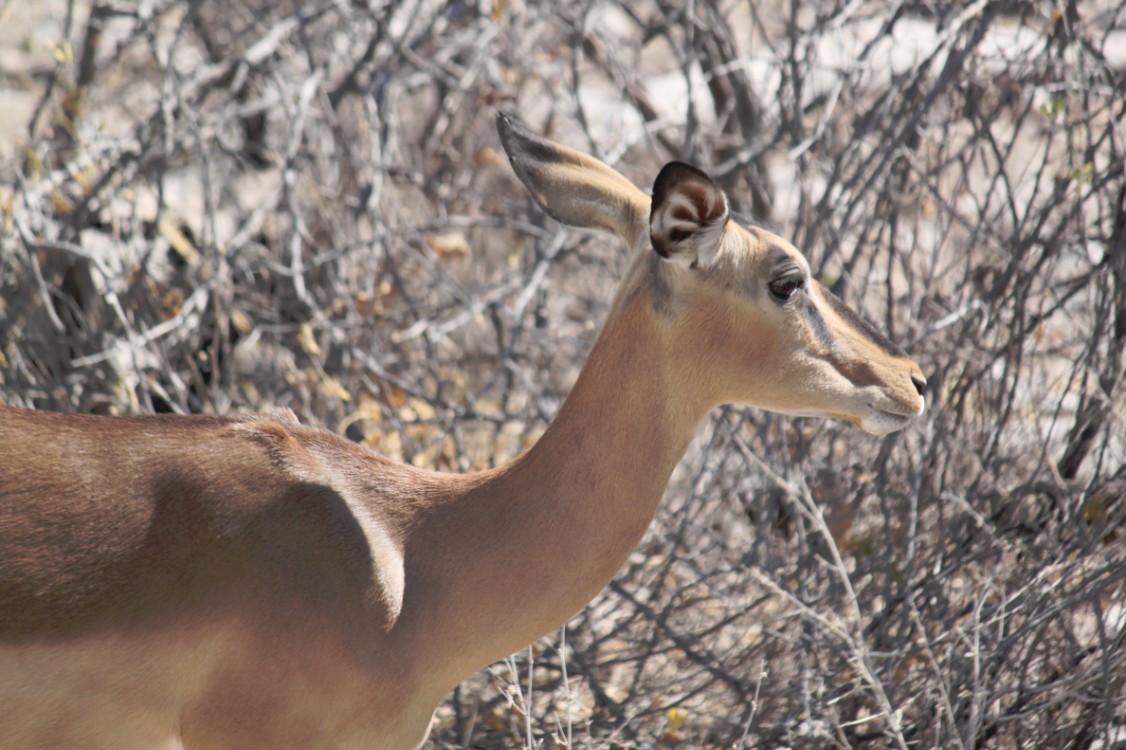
(783, 287)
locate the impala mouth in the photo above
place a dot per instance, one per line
(887, 417)
(882, 420)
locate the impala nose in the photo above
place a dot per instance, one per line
(920, 383)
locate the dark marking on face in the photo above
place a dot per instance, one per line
(845, 313)
(817, 324)
(777, 258)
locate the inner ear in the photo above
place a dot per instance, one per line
(688, 215)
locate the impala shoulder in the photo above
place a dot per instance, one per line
(277, 433)
(340, 530)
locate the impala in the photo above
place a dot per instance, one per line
(251, 582)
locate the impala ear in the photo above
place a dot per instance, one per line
(571, 187)
(688, 215)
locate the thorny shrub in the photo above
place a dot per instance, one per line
(222, 206)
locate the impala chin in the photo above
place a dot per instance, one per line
(885, 418)
(873, 420)
(870, 408)
(883, 423)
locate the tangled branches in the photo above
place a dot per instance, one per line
(232, 206)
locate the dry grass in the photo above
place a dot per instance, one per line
(230, 206)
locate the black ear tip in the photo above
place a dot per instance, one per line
(512, 129)
(520, 143)
(674, 173)
(507, 126)
(679, 170)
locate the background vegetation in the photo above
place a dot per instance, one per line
(222, 206)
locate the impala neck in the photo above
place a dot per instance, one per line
(531, 543)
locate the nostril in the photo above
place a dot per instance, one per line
(920, 383)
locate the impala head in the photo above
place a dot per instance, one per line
(737, 303)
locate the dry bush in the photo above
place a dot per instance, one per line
(229, 206)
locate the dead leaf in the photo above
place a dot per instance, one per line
(676, 716)
(307, 340)
(63, 205)
(241, 322)
(331, 387)
(487, 156)
(416, 410)
(449, 245)
(178, 241)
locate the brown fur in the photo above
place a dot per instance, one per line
(207, 582)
